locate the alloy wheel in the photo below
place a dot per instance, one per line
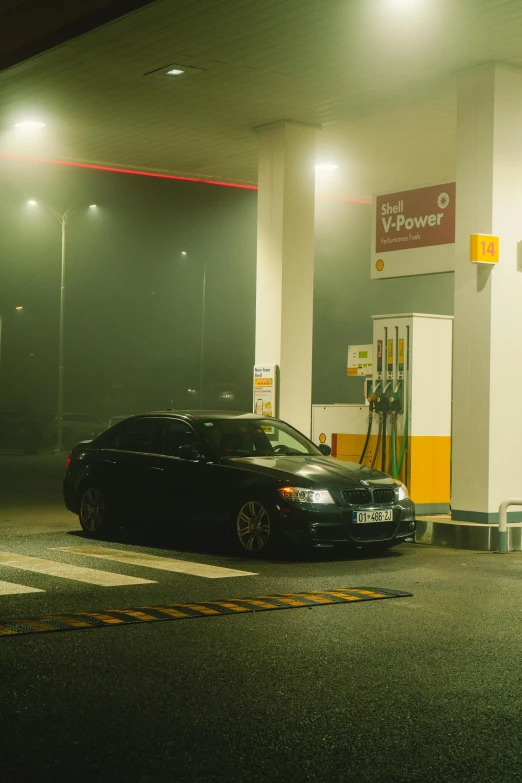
(253, 526)
(92, 510)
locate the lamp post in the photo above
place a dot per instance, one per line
(202, 339)
(202, 352)
(63, 219)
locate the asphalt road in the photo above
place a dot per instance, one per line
(425, 688)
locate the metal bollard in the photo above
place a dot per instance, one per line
(502, 524)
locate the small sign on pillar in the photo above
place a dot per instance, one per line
(483, 249)
(266, 389)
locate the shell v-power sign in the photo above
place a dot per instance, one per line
(414, 231)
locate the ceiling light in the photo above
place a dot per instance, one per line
(326, 167)
(183, 252)
(29, 125)
(176, 70)
(93, 206)
(19, 307)
(32, 203)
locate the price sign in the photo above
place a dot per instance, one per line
(483, 249)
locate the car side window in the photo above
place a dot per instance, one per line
(178, 433)
(141, 435)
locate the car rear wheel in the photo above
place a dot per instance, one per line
(95, 517)
(257, 530)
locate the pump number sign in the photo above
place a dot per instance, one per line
(483, 249)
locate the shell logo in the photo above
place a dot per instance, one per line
(379, 265)
(322, 438)
(443, 200)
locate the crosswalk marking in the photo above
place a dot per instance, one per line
(9, 588)
(154, 561)
(67, 571)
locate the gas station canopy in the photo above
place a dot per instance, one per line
(378, 76)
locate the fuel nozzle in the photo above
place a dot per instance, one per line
(395, 400)
(382, 403)
(395, 403)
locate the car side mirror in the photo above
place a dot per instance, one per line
(325, 449)
(191, 453)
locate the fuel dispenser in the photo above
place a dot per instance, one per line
(405, 427)
(413, 399)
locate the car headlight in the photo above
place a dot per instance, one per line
(402, 492)
(302, 495)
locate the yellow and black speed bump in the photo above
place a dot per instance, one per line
(143, 614)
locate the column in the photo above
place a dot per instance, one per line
(285, 263)
(487, 372)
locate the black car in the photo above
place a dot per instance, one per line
(256, 477)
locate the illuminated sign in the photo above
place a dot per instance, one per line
(414, 231)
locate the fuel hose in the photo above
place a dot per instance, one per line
(395, 471)
(368, 434)
(404, 441)
(379, 436)
(383, 444)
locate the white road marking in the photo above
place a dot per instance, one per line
(154, 561)
(67, 571)
(9, 588)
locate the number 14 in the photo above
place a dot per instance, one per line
(490, 248)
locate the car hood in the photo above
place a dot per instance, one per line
(320, 471)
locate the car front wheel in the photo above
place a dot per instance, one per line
(257, 530)
(95, 518)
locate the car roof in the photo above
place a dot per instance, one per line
(199, 415)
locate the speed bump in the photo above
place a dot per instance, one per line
(186, 611)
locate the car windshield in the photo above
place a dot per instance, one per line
(256, 438)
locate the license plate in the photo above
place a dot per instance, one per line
(382, 515)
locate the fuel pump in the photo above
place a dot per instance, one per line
(409, 396)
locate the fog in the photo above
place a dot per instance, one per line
(133, 301)
(133, 291)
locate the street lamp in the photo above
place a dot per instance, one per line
(202, 342)
(63, 219)
(202, 353)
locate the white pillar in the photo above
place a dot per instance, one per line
(285, 264)
(487, 375)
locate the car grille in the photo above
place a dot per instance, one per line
(382, 496)
(365, 497)
(357, 497)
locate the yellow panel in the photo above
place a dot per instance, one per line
(428, 461)
(429, 468)
(349, 447)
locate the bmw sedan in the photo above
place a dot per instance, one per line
(254, 477)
